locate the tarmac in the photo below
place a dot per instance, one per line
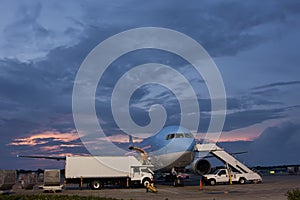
(273, 187)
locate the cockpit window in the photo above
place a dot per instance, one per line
(179, 135)
(170, 136)
(188, 135)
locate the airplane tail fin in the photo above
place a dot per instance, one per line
(130, 140)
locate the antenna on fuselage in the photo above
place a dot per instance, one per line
(130, 141)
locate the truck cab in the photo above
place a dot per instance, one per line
(222, 176)
(142, 174)
(219, 176)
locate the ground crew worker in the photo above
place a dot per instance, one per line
(174, 174)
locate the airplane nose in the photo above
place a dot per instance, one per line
(185, 144)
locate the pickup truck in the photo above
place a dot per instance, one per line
(222, 176)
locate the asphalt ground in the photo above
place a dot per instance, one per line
(273, 187)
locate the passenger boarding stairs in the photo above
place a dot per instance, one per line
(223, 156)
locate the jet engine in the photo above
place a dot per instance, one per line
(200, 167)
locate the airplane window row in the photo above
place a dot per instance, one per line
(179, 135)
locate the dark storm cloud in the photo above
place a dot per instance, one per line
(26, 27)
(250, 110)
(248, 102)
(239, 26)
(46, 85)
(242, 119)
(36, 97)
(37, 94)
(46, 79)
(233, 26)
(276, 145)
(272, 85)
(242, 112)
(223, 27)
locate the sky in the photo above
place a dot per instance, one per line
(254, 44)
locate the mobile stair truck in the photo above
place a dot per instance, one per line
(241, 174)
(99, 171)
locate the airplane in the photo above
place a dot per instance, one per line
(174, 147)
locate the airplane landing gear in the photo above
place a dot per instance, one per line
(177, 179)
(178, 182)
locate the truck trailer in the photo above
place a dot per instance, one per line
(99, 171)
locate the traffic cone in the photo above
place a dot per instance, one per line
(200, 185)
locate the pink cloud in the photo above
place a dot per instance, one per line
(51, 149)
(40, 138)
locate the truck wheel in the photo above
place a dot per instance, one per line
(242, 181)
(95, 185)
(212, 182)
(146, 181)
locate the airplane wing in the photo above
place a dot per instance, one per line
(45, 157)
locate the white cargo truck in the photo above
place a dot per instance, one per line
(222, 176)
(98, 171)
